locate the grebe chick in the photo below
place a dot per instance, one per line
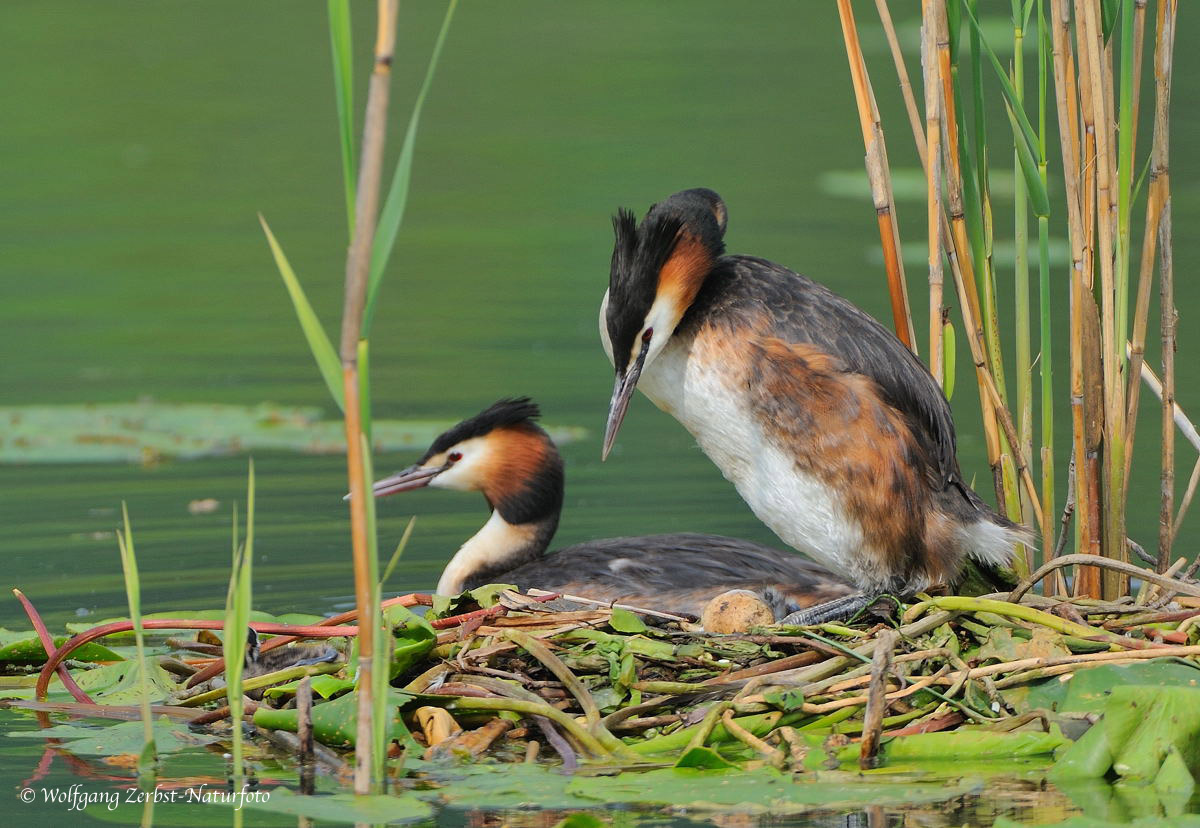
(504, 454)
(832, 431)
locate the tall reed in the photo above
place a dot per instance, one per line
(148, 759)
(1095, 100)
(373, 232)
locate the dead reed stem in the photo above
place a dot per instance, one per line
(358, 260)
(879, 175)
(1170, 320)
(930, 35)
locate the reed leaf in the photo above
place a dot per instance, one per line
(381, 722)
(237, 621)
(133, 593)
(392, 214)
(318, 341)
(340, 40)
(1026, 130)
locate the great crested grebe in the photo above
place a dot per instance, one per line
(504, 454)
(833, 432)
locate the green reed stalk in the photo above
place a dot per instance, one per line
(1023, 330)
(148, 759)
(341, 42)
(980, 223)
(357, 460)
(381, 721)
(237, 622)
(1046, 355)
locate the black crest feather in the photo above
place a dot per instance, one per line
(508, 412)
(640, 251)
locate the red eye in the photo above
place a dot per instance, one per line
(648, 334)
(454, 456)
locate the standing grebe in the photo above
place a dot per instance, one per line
(833, 432)
(504, 454)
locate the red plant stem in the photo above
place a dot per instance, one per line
(58, 656)
(218, 666)
(47, 640)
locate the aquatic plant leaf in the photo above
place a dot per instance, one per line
(345, 808)
(25, 648)
(1088, 690)
(1002, 645)
(149, 431)
(964, 744)
(324, 686)
(123, 738)
(1173, 775)
(333, 722)
(580, 820)
(508, 787)
(703, 757)
(121, 683)
(413, 635)
(625, 621)
(792, 699)
(758, 791)
(1146, 733)
(300, 618)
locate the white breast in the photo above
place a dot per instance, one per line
(800, 508)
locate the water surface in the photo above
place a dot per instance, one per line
(141, 140)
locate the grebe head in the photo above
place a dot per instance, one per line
(501, 452)
(657, 270)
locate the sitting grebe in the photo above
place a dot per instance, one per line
(504, 454)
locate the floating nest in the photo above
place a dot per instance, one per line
(501, 677)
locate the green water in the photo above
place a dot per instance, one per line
(141, 139)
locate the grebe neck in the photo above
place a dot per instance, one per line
(494, 550)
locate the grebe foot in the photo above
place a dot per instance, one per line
(838, 609)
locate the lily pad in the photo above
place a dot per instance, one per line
(26, 648)
(149, 431)
(345, 808)
(761, 791)
(302, 618)
(1087, 691)
(1148, 734)
(334, 722)
(125, 738)
(121, 683)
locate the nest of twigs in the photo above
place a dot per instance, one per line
(525, 679)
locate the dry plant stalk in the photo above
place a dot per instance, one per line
(957, 247)
(358, 260)
(879, 175)
(876, 699)
(930, 30)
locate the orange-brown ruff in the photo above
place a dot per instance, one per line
(832, 431)
(502, 453)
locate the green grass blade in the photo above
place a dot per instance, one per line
(322, 349)
(343, 86)
(392, 214)
(381, 722)
(133, 593)
(1039, 198)
(237, 619)
(1010, 94)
